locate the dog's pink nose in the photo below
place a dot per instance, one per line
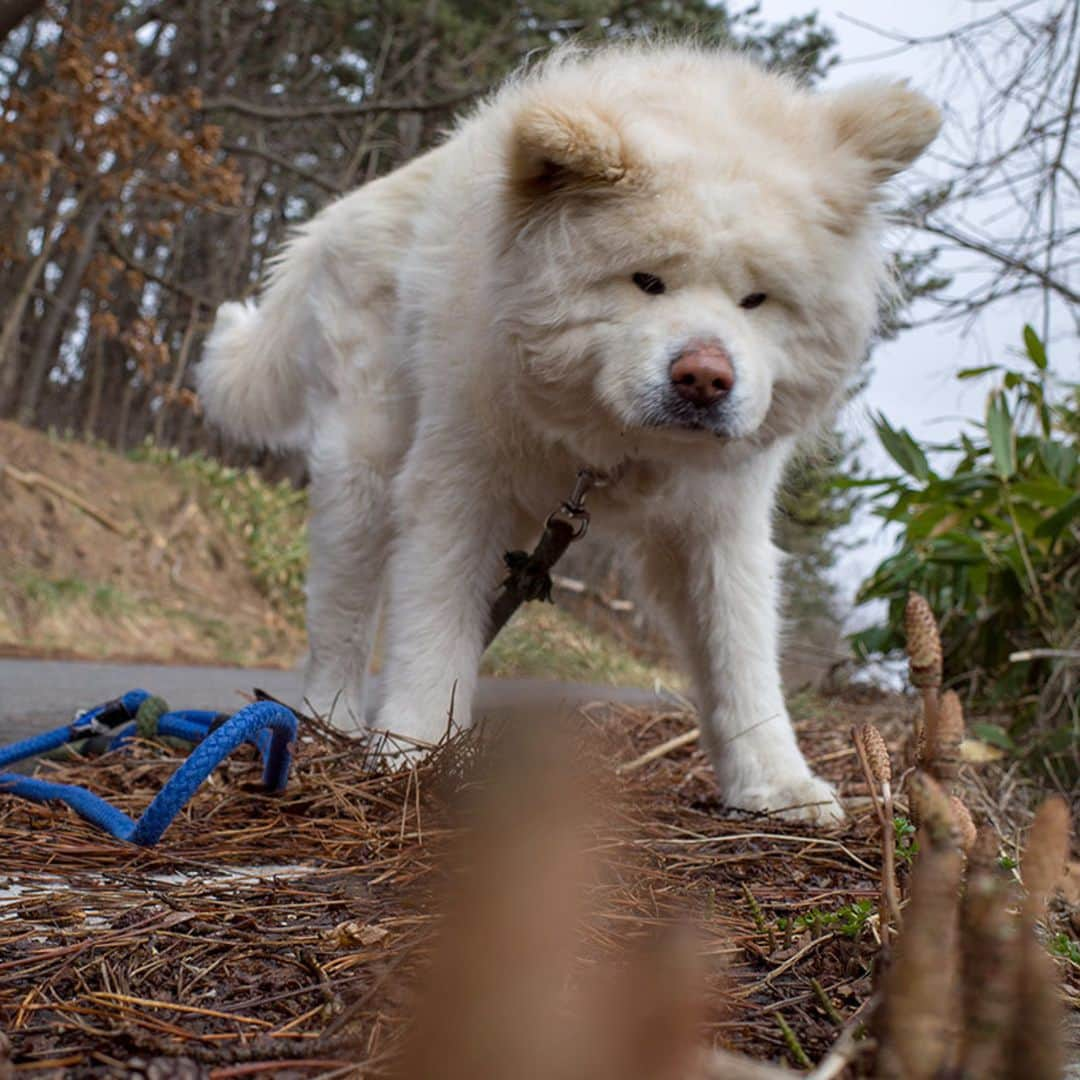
(702, 373)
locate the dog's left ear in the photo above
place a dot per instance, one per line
(564, 147)
(887, 124)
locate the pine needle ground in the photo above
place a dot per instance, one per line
(279, 935)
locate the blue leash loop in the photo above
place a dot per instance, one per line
(268, 725)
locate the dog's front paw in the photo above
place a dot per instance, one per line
(394, 751)
(803, 798)
(403, 735)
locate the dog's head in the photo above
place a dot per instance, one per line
(691, 250)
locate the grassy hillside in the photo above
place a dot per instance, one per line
(152, 556)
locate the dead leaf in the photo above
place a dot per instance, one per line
(1070, 883)
(355, 932)
(977, 752)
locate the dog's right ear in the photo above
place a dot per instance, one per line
(558, 148)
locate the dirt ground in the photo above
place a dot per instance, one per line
(152, 577)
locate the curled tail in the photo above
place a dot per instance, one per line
(252, 380)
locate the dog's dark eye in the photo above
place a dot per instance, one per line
(649, 283)
(755, 299)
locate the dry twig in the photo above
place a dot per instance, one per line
(31, 480)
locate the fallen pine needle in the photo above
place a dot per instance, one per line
(687, 738)
(746, 991)
(250, 1068)
(171, 1006)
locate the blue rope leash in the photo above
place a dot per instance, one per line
(266, 724)
(98, 720)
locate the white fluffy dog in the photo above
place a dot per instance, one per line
(659, 259)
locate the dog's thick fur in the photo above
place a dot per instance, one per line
(451, 343)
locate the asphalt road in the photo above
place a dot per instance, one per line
(36, 695)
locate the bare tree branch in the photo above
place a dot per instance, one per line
(1002, 257)
(283, 113)
(1007, 190)
(12, 12)
(129, 260)
(284, 163)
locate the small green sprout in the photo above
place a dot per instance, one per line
(906, 845)
(1062, 945)
(849, 920)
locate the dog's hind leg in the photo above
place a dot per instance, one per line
(349, 539)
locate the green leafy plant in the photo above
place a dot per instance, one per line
(848, 920)
(907, 847)
(270, 520)
(1062, 945)
(990, 535)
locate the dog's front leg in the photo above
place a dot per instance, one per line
(453, 527)
(719, 589)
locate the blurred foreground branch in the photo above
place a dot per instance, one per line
(965, 986)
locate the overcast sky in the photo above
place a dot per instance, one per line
(912, 381)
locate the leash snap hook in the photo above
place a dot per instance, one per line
(576, 516)
(573, 509)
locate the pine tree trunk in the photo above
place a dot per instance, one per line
(120, 441)
(177, 380)
(96, 381)
(48, 336)
(13, 321)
